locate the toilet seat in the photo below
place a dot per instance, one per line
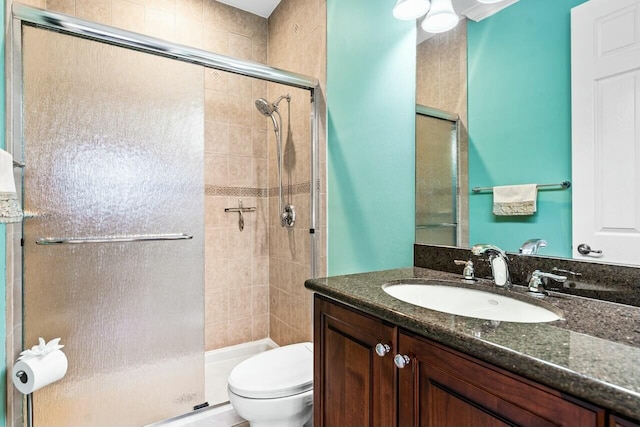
(283, 371)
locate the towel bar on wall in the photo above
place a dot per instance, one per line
(564, 185)
(114, 239)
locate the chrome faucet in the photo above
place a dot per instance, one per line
(498, 260)
(531, 246)
(536, 282)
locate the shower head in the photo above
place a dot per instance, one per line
(267, 108)
(264, 107)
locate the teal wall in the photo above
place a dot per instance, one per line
(371, 133)
(519, 107)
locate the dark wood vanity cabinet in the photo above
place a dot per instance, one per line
(354, 386)
(442, 387)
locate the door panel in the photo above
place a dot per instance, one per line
(113, 142)
(605, 58)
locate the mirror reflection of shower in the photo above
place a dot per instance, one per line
(287, 212)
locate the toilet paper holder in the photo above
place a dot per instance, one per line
(23, 377)
(24, 368)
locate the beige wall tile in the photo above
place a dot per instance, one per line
(62, 6)
(216, 274)
(216, 137)
(35, 3)
(241, 86)
(189, 32)
(258, 51)
(239, 330)
(160, 24)
(259, 300)
(260, 274)
(216, 106)
(240, 174)
(259, 143)
(217, 241)
(216, 15)
(94, 10)
(167, 6)
(240, 141)
(260, 327)
(127, 15)
(216, 305)
(216, 335)
(240, 46)
(240, 304)
(216, 41)
(216, 170)
(240, 274)
(189, 9)
(216, 80)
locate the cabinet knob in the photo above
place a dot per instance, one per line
(401, 360)
(382, 349)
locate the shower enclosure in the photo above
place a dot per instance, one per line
(110, 125)
(436, 177)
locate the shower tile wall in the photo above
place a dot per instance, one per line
(297, 42)
(441, 73)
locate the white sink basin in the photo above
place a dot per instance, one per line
(469, 302)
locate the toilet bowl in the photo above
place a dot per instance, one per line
(275, 388)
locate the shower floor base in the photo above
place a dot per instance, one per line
(219, 416)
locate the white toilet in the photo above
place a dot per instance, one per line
(275, 388)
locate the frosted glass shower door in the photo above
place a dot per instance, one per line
(436, 180)
(113, 142)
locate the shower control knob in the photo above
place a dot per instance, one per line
(401, 360)
(382, 349)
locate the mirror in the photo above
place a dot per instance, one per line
(508, 77)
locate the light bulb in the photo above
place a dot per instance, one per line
(441, 17)
(407, 10)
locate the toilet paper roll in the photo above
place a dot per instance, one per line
(40, 371)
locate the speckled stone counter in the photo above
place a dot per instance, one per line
(593, 354)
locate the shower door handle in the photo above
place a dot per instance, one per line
(114, 239)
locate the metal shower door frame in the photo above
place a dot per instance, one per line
(18, 15)
(455, 119)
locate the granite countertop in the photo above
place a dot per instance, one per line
(593, 354)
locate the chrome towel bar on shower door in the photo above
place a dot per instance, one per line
(114, 239)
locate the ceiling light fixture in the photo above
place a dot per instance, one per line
(441, 17)
(407, 10)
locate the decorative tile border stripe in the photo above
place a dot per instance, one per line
(302, 188)
(213, 190)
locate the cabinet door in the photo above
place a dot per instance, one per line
(353, 386)
(616, 421)
(441, 387)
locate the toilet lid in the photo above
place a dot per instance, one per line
(283, 371)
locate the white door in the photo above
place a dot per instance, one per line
(605, 63)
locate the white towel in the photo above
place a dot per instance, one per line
(515, 199)
(9, 207)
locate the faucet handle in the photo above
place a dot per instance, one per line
(468, 272)
(536, 281)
